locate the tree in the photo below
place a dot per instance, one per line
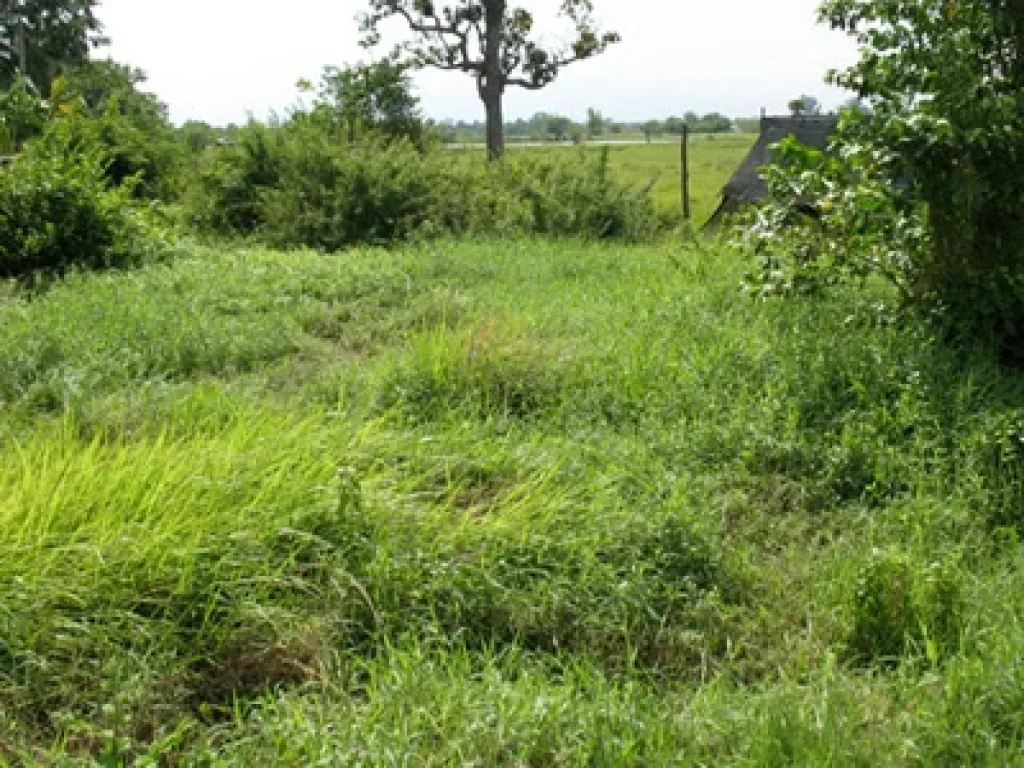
(39, 38)
(924, 188)
(651, 128)
(98, 83)
(197, 136)
(23, 114)
(805, 105)
(714, 122)
(130, 123)
(675, 126)
(557, 127)
(374, 97)
(595, 123)
(492, 42)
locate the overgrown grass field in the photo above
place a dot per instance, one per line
(512, 503)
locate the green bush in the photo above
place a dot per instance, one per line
(829, 220)
(98, 103)
(103, 102)
(137, 152)
(296, 185)
(924, 186)
(329, 197)
(226, 196)
(575, 195)
(58, 210)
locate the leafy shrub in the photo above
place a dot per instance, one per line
(925, 189)
(945, 86)
(828, 220)
(149, 156)
(102, 102)
(226, 195)
(329, 197)
(297, 185)
(576, 195)
(98, 103)
(57, 210)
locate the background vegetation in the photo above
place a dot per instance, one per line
(296, 185)
(544, 127)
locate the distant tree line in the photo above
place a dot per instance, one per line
(544, 126)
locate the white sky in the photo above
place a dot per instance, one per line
(219, 60)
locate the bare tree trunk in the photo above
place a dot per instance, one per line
(20, 46)
(495, 126)
(492, 82)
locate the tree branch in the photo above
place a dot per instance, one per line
(545, 72)
(424, 29)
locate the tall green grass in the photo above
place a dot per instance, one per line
(499, 503)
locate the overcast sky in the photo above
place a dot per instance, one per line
(219, 60)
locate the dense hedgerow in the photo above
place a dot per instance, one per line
(297, 185)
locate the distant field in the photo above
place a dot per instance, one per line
(713, 158)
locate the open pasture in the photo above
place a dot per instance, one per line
(713, 159)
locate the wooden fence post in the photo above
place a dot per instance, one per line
(685, 176)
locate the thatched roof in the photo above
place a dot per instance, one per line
(746, 185)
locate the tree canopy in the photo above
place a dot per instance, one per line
(49, 34)
(373, 97)
(490, 41)
(805, 105)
